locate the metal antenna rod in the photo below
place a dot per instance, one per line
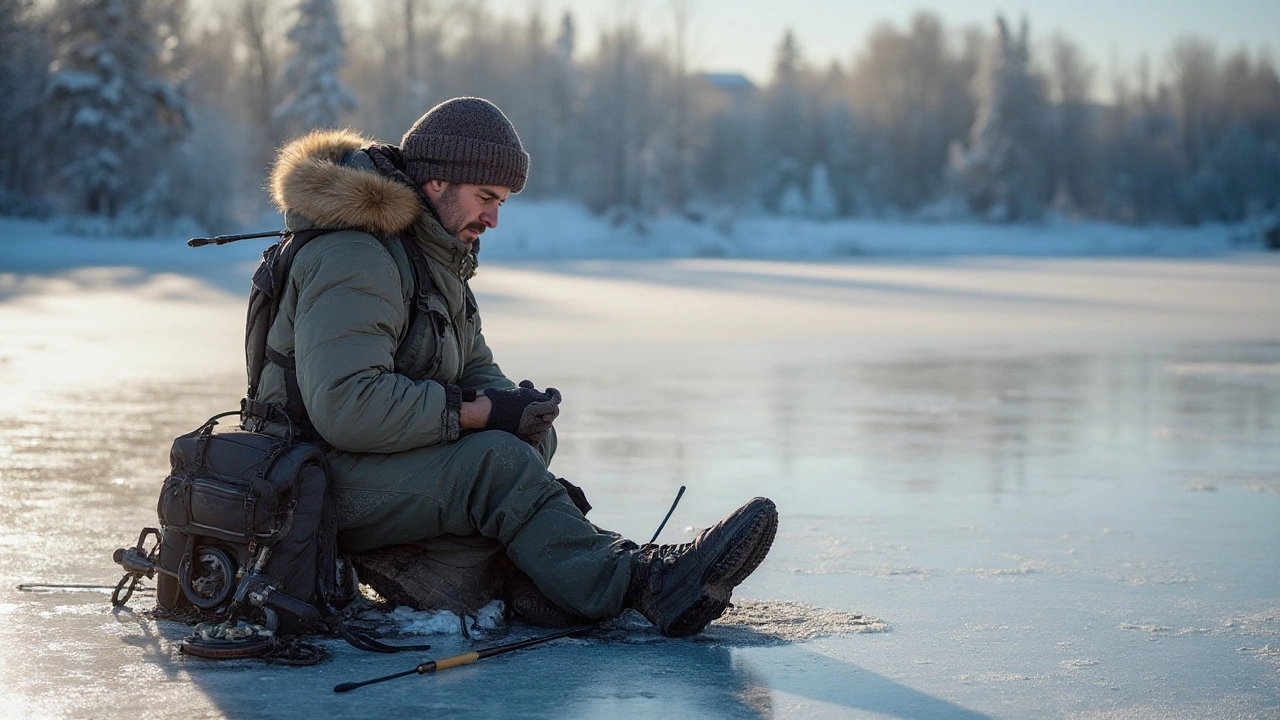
(658, 532)
(224, 239)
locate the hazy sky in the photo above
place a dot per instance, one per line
(741, 36)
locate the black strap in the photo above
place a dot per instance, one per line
(362, 641)
(295, 409)
(423, 285)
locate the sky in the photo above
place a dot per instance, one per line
(740, 36)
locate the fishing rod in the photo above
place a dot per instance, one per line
(467, 658)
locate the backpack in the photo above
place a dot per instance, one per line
(252, 506)
(248, 526)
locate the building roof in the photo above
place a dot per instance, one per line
(729, 81)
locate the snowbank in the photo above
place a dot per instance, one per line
(550, 230)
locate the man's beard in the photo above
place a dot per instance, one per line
(452, 217)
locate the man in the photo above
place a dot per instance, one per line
(431, 443)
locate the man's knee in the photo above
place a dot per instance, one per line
(511, 483)
(503, 454)
(508, 469)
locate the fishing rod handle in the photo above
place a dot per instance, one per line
(450, 662)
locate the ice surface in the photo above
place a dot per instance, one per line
(1009, 487)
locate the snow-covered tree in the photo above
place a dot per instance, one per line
(563, 94)
(108, 119)
(792, 202)
(1001, 174)
(840, 152)
(314, 95)
(823, 203)
(787, 122)
(22, 64)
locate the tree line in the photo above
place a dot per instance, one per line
(144, 110)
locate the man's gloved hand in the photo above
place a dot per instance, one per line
(523, 411)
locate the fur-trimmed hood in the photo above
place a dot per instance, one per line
(309, 179)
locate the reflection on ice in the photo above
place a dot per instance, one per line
(1057, 488)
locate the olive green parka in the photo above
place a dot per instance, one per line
(372, 375)
(382, 385)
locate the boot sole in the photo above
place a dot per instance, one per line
(730, 570)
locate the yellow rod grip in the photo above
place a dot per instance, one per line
(456, 660)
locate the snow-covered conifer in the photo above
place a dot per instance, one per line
(109, 121)
(314, 95)
(792, 202)
(1001, 174)
(563, 94)
(823, 204)
(23, 59)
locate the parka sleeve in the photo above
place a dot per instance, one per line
(480, 371)
(349, 318)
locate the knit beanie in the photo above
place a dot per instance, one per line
(465, 140)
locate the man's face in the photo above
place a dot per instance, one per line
(466, 210)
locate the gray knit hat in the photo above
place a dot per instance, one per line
(465, 140)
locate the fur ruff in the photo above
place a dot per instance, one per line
(308, 179)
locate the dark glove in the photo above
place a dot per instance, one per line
(523, 411)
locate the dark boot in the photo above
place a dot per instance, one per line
(682, 588)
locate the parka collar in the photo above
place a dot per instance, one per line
(444, 248)
(313, 179)
(324, 179)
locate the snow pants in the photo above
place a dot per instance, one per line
(490, 484)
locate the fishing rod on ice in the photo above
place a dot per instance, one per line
(467, 658)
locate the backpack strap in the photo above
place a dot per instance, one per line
(268, 287)
(423, 288)
(269, 283)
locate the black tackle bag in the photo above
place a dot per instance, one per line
(247, 519)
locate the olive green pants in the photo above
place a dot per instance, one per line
(490, 484)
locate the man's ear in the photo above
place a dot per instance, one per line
(433, 188)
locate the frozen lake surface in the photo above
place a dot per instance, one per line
(1008, 488)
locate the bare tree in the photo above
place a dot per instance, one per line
(682, 12)
(261, 65)
(908, 90)
(1193, 66)
(1070, 84)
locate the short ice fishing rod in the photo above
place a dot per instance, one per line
(467, 658)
